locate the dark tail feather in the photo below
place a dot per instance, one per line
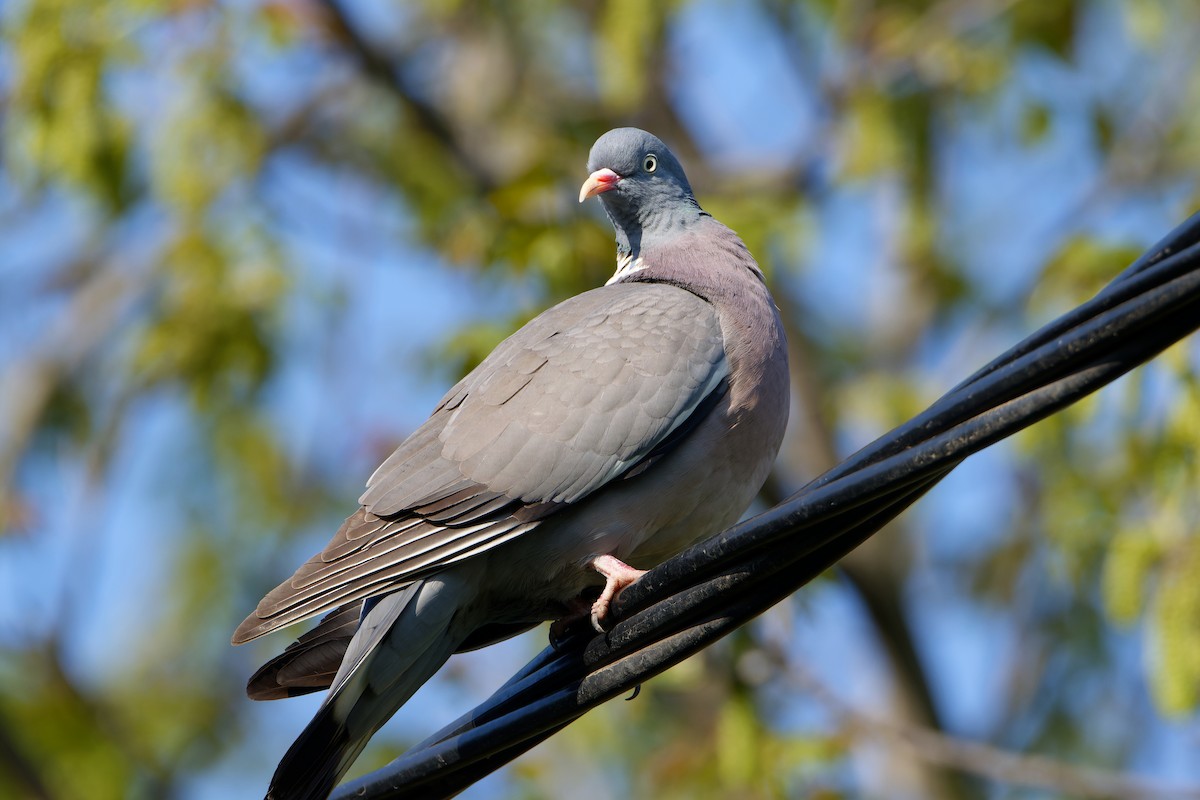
(311, 767)
(403, 639)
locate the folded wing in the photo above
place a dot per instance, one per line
(591, 391)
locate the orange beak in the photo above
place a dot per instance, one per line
(600, 181)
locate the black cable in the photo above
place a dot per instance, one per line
(695, 598)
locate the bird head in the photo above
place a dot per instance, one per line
(641, 185)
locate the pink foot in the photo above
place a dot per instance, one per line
(617, 575)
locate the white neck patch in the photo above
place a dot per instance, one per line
(626, 266)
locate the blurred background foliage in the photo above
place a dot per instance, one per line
(245, 244)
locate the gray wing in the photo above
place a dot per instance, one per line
(591, 390)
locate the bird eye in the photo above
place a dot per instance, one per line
(651, 163)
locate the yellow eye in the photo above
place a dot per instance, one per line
(651, 162)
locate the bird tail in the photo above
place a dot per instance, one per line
(404, 638)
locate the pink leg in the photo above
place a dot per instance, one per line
(617, 575)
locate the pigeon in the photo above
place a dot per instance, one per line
(606, 435)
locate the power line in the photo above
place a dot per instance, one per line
(695, 598)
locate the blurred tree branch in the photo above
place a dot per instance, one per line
(94, 309)
(24, 770)
(391, 75)
(987, 761)
(871, 568)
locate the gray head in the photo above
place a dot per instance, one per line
(641, 185)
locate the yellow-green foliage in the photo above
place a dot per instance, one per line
(62, 125)
(1176, 616)
(1134, 513)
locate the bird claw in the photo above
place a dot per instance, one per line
(617, 575)
(599, 612)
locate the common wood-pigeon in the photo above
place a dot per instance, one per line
(616, 428)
